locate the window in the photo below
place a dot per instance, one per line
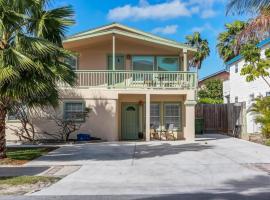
(154, 115)
(267, 94)
(72, 61)
(172, 115)
(13, 115)
(236, 100)
(167, 63)
(236, 68)
(251, 97)
(74, 111)
(143, 63)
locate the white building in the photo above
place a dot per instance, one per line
(237, 89)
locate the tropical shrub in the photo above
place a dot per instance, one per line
(211, 92)
(261, 108)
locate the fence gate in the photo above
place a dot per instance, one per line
(222, 118)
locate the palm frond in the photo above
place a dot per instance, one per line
(247, 6)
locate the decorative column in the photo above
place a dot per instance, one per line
(147, 117)
(189, 127)
(185, 60)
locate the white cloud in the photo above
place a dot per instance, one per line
(168, 10)
(170, 29)
(206, 28)
(208, 13)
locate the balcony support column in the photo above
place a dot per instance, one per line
(185, 60)
(147, 117)
(113, 52)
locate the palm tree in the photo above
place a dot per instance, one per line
(259, 27)
(227, 40)
(31, 55)
(203, 49)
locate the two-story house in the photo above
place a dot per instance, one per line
(237, 89)
(133, 81)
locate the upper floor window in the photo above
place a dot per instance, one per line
(74, 111)
(143, 63)
(152, 63)
(251, 97)
(236, 69)
(72, 61)
(166, 63)
(236, 100)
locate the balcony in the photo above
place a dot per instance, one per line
(136, 79)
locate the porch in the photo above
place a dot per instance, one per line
(156, 116)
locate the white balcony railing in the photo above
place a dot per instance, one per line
(136, 79)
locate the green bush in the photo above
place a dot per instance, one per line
(261, 108)
(211, 92)
(210, 101)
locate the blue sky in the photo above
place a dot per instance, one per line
(173, 19)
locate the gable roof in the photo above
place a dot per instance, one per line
(214, 74)
(120, 29)
(239, 57)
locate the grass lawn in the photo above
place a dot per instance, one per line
(267, 142)
(26, 180)
(24, 184)
(21, 155)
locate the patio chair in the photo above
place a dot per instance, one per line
(170, 132)
(161, 131)
(154, 134)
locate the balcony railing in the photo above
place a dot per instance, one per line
(136, 79)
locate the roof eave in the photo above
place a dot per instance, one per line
(124, 33)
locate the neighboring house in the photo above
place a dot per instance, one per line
(133, 81)
(222, 75)
(237, 89)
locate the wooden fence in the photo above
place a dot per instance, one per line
(222, 118)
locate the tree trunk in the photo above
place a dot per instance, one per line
(3, 113)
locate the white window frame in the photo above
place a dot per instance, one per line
(156, 116)
(236, 68)
(179, 117)
(75, 111)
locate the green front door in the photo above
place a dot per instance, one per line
(130, 121)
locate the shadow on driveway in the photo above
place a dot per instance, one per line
(119, 151)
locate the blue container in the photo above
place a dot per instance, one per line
(83, 137)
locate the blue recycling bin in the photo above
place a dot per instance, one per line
(83, 137)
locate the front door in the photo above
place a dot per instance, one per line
(119, 62)
(130, 121)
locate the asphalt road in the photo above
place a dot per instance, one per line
(185, 196)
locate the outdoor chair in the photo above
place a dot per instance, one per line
(170, 132)
(162, 132)
(154, 134)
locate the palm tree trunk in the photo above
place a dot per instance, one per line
(3, 113)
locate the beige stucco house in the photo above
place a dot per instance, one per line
(136, 83)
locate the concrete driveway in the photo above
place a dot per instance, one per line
(213, 165)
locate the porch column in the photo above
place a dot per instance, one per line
(189, 127)
(113, 52)
(147, 117)
(185, 60)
